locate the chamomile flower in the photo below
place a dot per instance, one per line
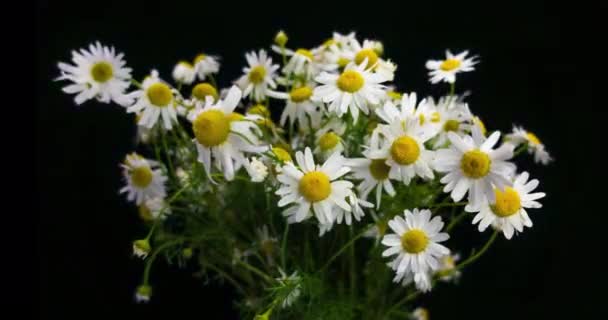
(221, 136)
(378, 230)
(256, 169)
(259, 75)
(154, 100)
(352, 90)
(328, 144)
(143, 293)
(266, 243)
(291, 287)
(357, 212)
(535, 146)
(472, 165)
(404, 150)
(446, 70)
(422, 279)
(98, 73)
(154, 208)
(314, 188)
(420, 314)
(144, 179)
(368, 51)
(205, 65)
(183, 72)
(410, 107)
(508, 209)
(449, 115)
(141, 248)
(301, 61)
(299, 106)
(447, 271)
(415, 242)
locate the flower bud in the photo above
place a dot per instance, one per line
(281, 38)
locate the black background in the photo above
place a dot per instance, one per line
(530, 74)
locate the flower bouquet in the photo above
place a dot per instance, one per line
(312, 186)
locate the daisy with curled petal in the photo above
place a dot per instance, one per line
(368, 50)
(299, 105)
(154, 100)
(535, 146)
(404, 150)
(409, 107)
(354, 89)
(415, 242)
(221, 135)
(98, 73)
(357, 211)
(446, 70)
(205, 65)
(259, 75)
(144, 179)
(422, 280)
(183, 72)
(313, 187)
(508, 209)
(472, 165)
(449, 115)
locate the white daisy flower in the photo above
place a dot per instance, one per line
(205, 65)
(357, 211)
(141, 248)
(415, 242)
(239, 255)
(420, 314)
(143, 294)
(404, 150)
(266, 243)
(299, 106)
(449, 115)
(154, 100)
(354, 89)
(302, 61)
(422, 280)
(373, 172)
(378, 230)
(329, 143)
(256, 169)
(98, 73)
(222, 136)
(292, 284)
(368, 50)
(183, 72)
(259, 75)
(447, 271)
(520, 135)
(446, 70)
(144, 179)
(471, 165)
(314, 187)
(409, 107)
(508, 209)
(151, 209)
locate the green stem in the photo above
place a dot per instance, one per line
(136, 83)
(453, 204)
(520, 149)
(166, 147)
(256, 271)
(150, 261)
(212, 80)
(284, 245)
(476, 256)
(403, 301)
(353, 276)
(346, 246)
(455, 221)
(226, 276)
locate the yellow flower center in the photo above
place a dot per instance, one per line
(405, 150)
(435, 117)
(257, 74)
(282, 154)
(414, 241)
(315, 186)
(421, 119)
(141, 176)
(235, 116)
(102, 72)
(159, 94)
(371, 55)
(267, 247)
(260, 110)
(394, 95)
(451, 125)
(144, 213)
(199, 58)
(350, 81)
(379, 169)
(342, 62)
(481, 125)
(300, 94)
(450, 64)
(211, 128)
(371, 126)
(305, 53)
(475, 164)
(533, 138)
(328, 141)
(186, 64)
(204, 89)
(329, 42)
(507, 203)
(423, 313)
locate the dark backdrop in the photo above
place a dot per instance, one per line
(527, 76)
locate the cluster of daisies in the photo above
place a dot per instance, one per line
(326, 132)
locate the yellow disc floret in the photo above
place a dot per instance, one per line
(211, 128)
(507, 202)
(449, 64)
(159, 94)
(144, 213)
(405, 150)
(282, 154)
(379, 169)
(342, 62)
(257, 74)
(199, 58)
(306, 53)
(371, 55)
(315, 186)
(350, 81)
(328, 141)
(451, 125)
(260, 110)
(475, 164)
(204, 89)
(300, 94)
(533, 138)
(414, 241)
(141, 176)
(102, 71)
(435, 117)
